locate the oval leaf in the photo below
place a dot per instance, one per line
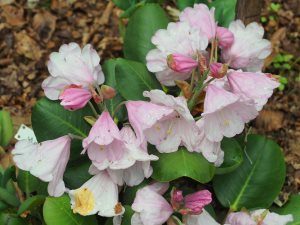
(142, 25)
(225, 11)
(8, 198)
(182, 163)
(291, 207)
(133, 79)
(6, 128)
(233, 156)
(57, 211)
(29, 183)
(31, 203)
(254, 184)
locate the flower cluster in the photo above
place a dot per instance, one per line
(218, 96)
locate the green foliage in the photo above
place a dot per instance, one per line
(28, 183)
(6, 128)
(31, 203)
(57, 211)
(246, 186)
(133, 79)
(144, 22)
(275, 7)
(11, 219)
(182, 163)
(233, 156)
(291, 207)
(182, 4)
(130, 192)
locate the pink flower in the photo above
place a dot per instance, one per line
(225, 114)
(249, 49)
(166, 121)
(178, 38)
(201, 18)
(181, 63)
(261, 216)
(211, 150)
(47, 161)
(137, 152)
(99, 195)
(150, 206)
(225, 37)
(72, 66)
(74, 98)
(191, 204)
(105, 145)
(254, 86)
(218, 70)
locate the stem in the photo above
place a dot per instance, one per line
(216, 49)
(74, 136)
(212, 52)
(192, 80)
(93, 109)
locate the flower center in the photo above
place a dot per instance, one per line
(118, 208)
(84, 201)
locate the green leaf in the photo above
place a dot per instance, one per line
(77, 173)
(8, 198)
(31, 203)
(124, 4)
(182, 163)
(142, 25)
(291, 207)
(6, 128)
(57, 211)
(7, 175)
(133, 79)
(256, 184)
(109, 68)
(224, 11)
(128, 195)
(233, 156)
(182, 4)
(28, 183)
(50, 120)
(10, 219)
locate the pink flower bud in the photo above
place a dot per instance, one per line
(195, 202)
(181, 63)
(218, 70)
(108, 92)
(225, 37)
(74, 98)
(176, 199)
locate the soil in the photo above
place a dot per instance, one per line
(31, 30)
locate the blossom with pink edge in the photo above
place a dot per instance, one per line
(181, 63)
(191, 204)
(141, 168)
(225, 37)
(218, 70)
(99, 195)
(225, 114)
(254, 86)
(211, 150)
(261, 216)
(202, 18)
(105, 146)
(201, 219)
(150, 207)
(74, 98)
(166, 121)
(72, 65)
(249, 49)
(46, 160)
(178, 38)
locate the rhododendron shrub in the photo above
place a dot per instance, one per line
(160, 136)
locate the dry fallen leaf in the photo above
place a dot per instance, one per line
(270, 120)
(26, 46)
(44, 23)
(14, 16)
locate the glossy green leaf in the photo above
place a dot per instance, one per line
(77, 174)
(182, 4)
(129, 193)
(8, 198)
(133, 79)
(50, 120)
(233, 156)
(31, 203)
(254, 184)
(142, 25)
(124, 4)
(28, 183)
(11, 219)
(6, 128)
(57, 211)
(8, 174)
(225, 11)
(291, 207)
(182, 163)
(109, 68)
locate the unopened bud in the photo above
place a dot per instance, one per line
(176, 199)
(218, 70)
(181, 63)
(73, 98)
(225, 37)
(108, 92)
